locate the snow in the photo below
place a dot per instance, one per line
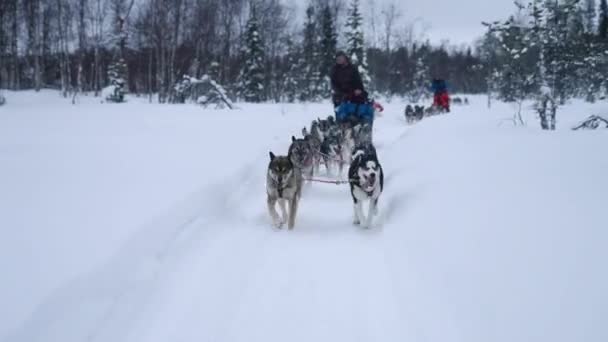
(147, 222)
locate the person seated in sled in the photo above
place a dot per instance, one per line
(441, 98)
(349, 96)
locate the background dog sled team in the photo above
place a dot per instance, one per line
(441, 103)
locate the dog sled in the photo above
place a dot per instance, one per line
(355, 111)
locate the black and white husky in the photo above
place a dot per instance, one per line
(366, 183)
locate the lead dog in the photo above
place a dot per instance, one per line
(366, 183)
(283, 186)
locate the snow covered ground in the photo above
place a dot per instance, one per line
(140, 222)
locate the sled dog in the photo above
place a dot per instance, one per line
(366, 183)
(283, 187)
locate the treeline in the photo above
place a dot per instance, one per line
(276, 50)
(548, 51)
(549, 48)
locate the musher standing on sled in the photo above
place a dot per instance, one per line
(441, 97)
(351, 102)
(346, 81)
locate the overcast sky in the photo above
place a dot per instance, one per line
(456, 20)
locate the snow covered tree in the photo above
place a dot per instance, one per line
(420, 80)
(116, 91)
(328, 45)
(204, 91)
(557, 56)
(590, 14)
(603, 20)
(310, 63)
(252, 73)
(515, 79)
(355, 43)
(291, 89)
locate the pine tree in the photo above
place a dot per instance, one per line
(355, 42)
(252, 74)
(516, 74)
(590, 13)
(291, 89)
(329, 42)
(420, 80)
(310, 62)
(603, 20)
(117, 75)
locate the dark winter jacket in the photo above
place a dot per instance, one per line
(344, 80)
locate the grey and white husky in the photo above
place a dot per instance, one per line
(301, 156)
(283, 187)
(315, 146)
(331, 151)
(363, 134)
(324, 126)
(366, 183)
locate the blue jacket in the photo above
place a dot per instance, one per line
(361, 112)
(439, 86)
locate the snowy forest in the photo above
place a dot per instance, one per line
(267, 50)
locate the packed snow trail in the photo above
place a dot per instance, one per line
(467, 246)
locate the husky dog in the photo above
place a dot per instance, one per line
(331, 150)
(315, 146)
(364, 149)
(324, 126)
(348, 145)
(283, 186)
(363, 134)
(316, 132)
(409, 114)
(301, 156)
(419, 112)
(457, 101)
(366, 183)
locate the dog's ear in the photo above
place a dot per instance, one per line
(306, 138)
(304, 132)
(272, 156)
(293, 138)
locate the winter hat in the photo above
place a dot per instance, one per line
(341, 53)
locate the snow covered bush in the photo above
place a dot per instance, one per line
(592, 122)
(115, 92)
(420, 81)
(204, 91)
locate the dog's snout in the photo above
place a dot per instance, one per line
(372, 176)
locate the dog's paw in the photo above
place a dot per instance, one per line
(278, 224)
(356, 221)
